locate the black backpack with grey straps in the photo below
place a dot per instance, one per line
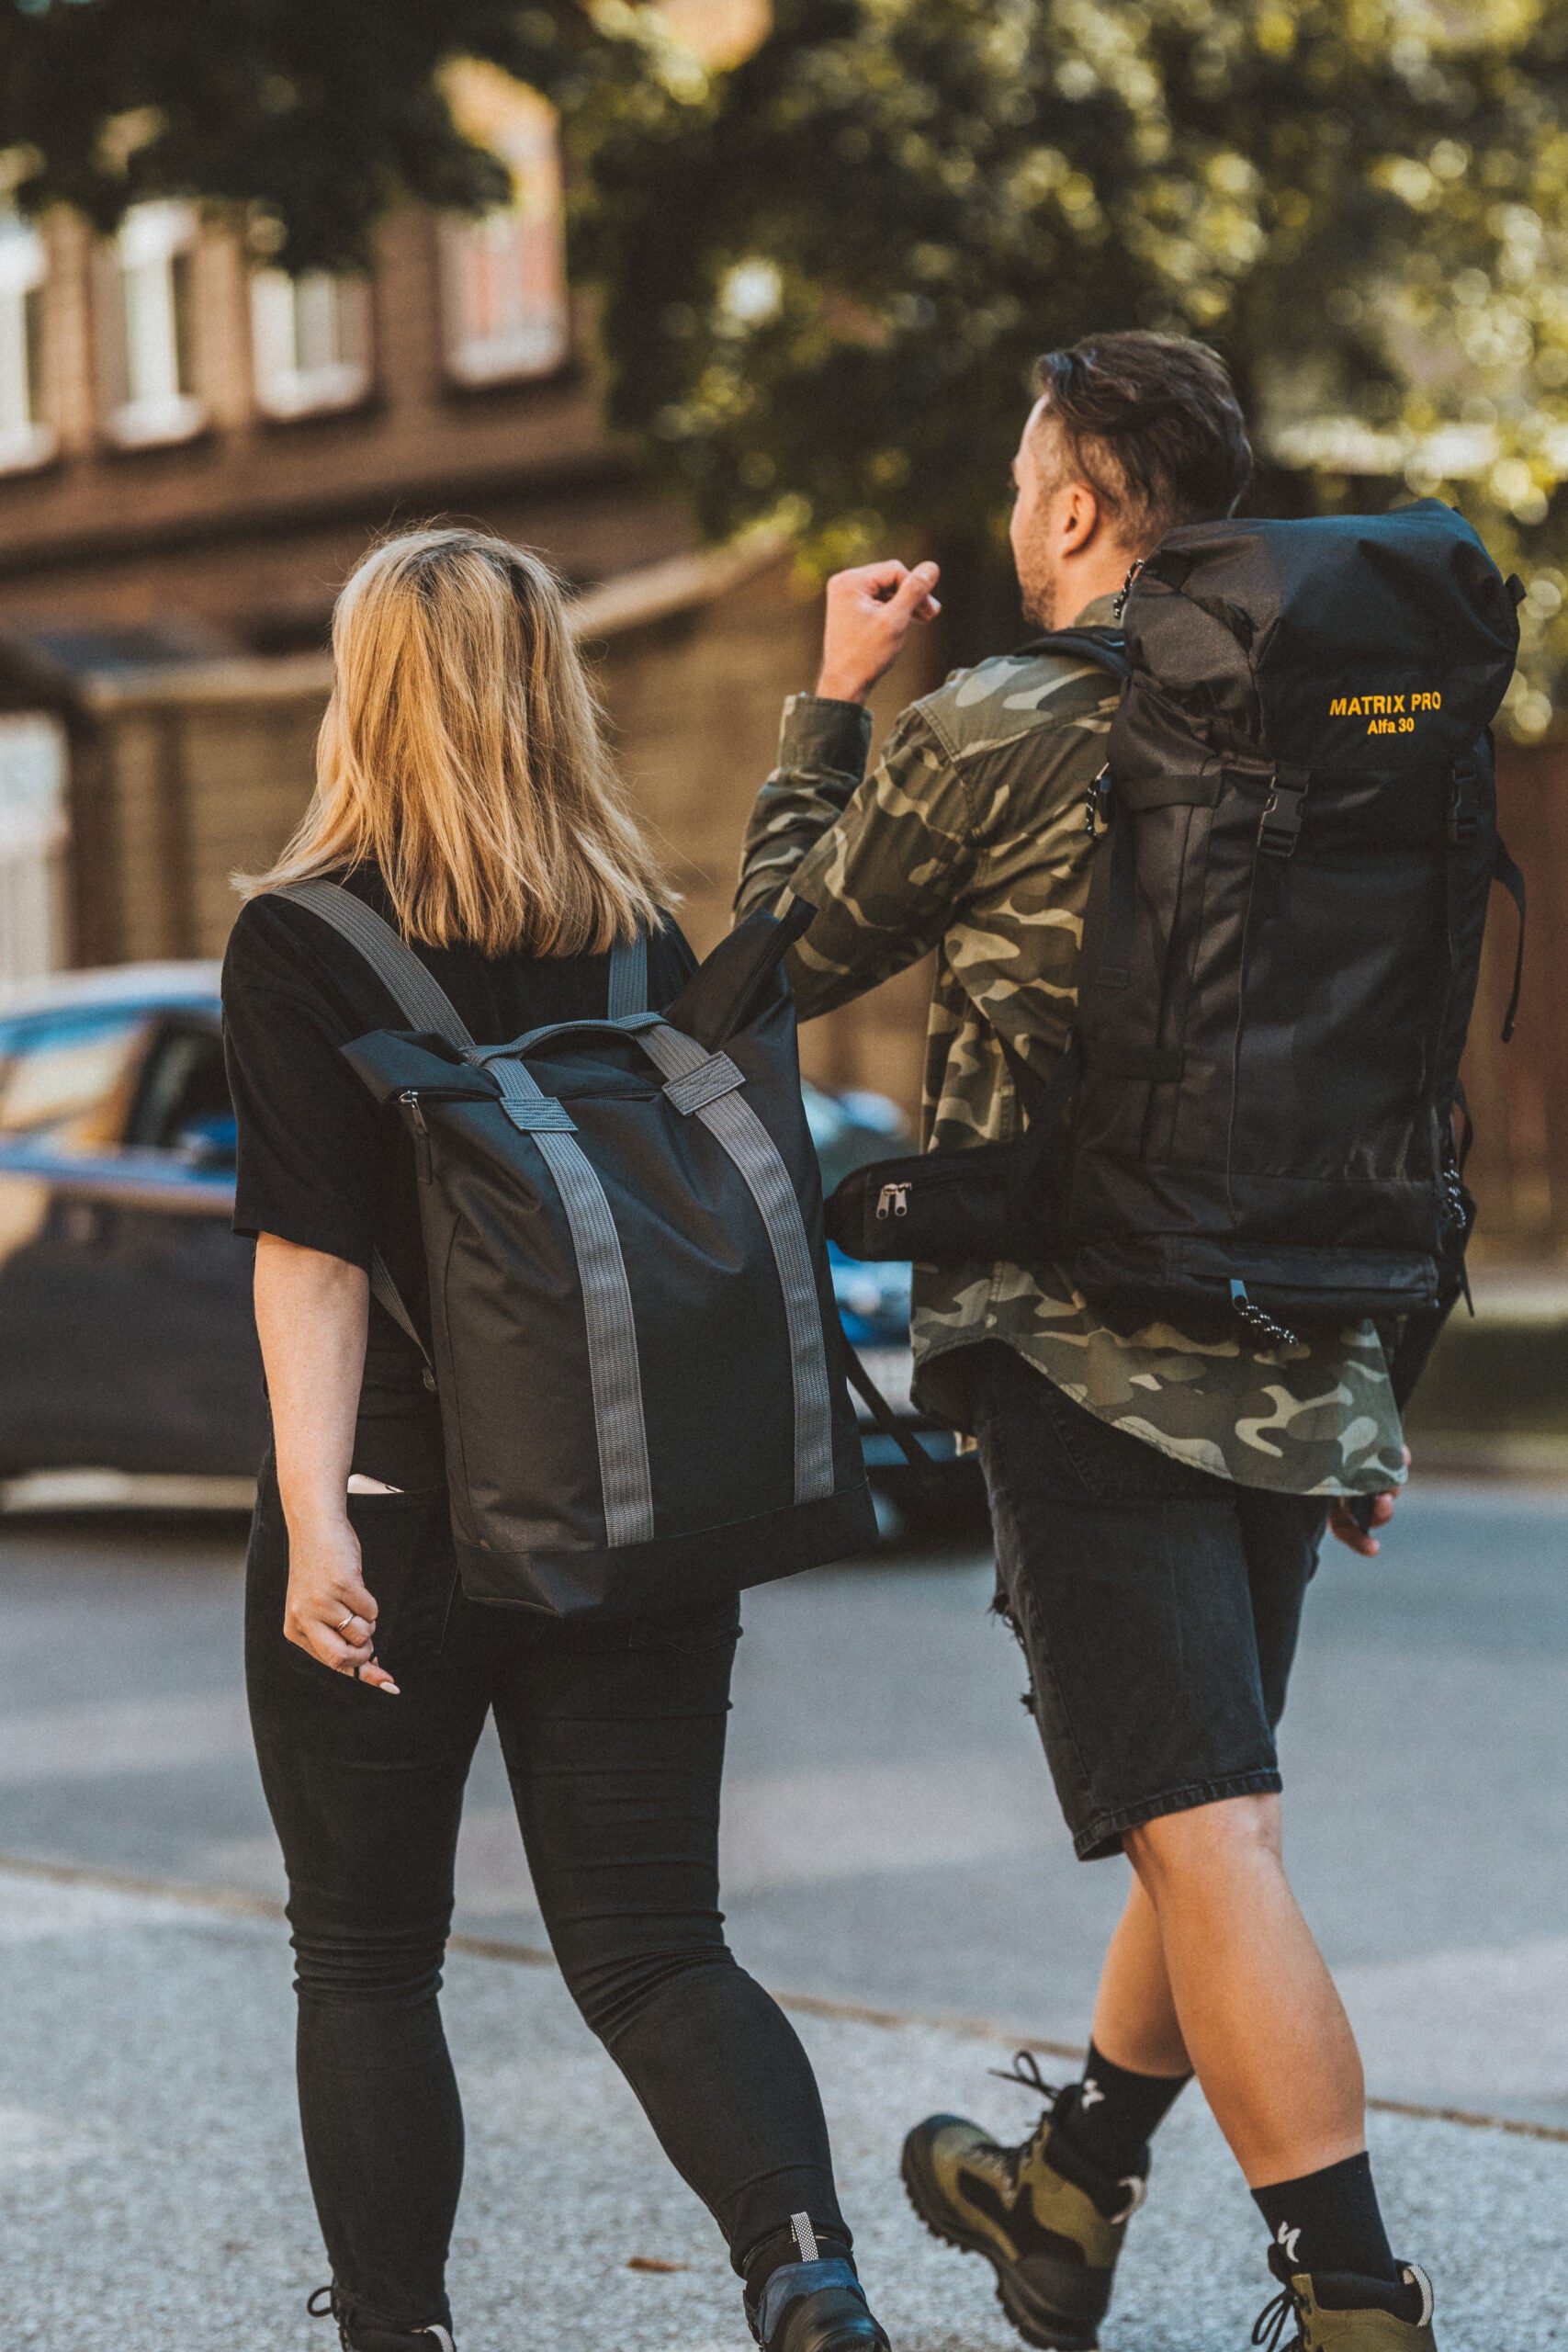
(634, 1344)
(1253, 1128)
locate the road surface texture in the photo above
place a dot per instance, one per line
(891, 1842)
(154, 2197)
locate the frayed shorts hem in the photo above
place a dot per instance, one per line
(1103, 1835)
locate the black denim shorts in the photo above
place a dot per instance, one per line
(1157, 1606)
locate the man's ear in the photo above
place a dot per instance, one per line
(1082, 520)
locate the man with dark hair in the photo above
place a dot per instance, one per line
(1158, 1499)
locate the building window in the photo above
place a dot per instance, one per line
(33, 842)
(504, 276)
(25, 436)
(312, 338)
(148, 341)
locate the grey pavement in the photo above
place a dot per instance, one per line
(153, 2196)
(890, 1837)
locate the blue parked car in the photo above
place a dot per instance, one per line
(126, 1338)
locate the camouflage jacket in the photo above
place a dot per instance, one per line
(968, 839)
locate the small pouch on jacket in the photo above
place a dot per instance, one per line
(933, 1206)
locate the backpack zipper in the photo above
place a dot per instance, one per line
(410, 1099)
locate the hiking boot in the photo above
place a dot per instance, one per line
(362, 2336)
(816, 2304)
(1336, 2311)
(1050, 2224)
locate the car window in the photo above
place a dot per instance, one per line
(67, 1077)
(183, 1101)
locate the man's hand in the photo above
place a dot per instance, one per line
(871, 611)
(1342, 1524)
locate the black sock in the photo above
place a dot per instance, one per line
(1114, 2113)
(1330, 2220)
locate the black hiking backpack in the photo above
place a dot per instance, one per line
(635, 1343)
(1255, 1121)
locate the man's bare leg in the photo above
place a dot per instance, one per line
(1136, 2024)
(1236, 1974)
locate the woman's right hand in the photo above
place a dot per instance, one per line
(331, 1610)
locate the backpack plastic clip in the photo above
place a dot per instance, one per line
(1280, 828)
(1097, 805)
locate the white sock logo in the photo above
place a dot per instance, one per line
(1090, 2093)
(1287, 2239)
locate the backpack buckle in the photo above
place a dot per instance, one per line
(1097, 805)
(1280, 828)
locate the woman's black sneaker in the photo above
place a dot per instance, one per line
(360, 2336)
(815, 2306)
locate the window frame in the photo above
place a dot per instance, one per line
(159, 236)
(288, 391)
(30, 441)
(526, 137)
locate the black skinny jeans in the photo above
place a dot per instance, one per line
(614, 1741)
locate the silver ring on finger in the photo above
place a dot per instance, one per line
(346, 1618)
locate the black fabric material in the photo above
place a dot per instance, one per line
(613, 1739)
(1330, 2220)
(1298, 947)
(1157, 1606)
(319, 1163)
(1280, 946)
(496, 1287)
(1114, 2113)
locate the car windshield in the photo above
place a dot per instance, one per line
(67, 1077)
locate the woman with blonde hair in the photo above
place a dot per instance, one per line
(465, 794)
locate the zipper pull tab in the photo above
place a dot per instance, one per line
(421, 1126)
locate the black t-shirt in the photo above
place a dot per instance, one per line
(319, 1163)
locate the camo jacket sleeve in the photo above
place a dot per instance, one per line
(885, 858)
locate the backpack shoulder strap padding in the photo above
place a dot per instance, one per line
(628, 977)
(1105, 645)
(419, 996)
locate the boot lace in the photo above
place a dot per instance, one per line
(1025, 2071)
(1273, 2321)
(324, 2304)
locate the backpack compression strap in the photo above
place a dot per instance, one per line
(624, 1477)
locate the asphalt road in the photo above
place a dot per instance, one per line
(891, 1837)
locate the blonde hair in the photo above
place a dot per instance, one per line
(462, 753)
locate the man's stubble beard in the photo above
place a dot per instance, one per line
(1041, 600)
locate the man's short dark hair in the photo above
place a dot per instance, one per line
(1151, 423)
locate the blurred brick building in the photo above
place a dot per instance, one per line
(195, 448)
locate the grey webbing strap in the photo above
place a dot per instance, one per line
(704, 1083)
(628, 976)
(613, 1370)
(736, 1127)
(624, 1473)
(424, 1002)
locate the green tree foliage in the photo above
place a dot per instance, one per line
(826, 272)
(826, 282)
(313, 116)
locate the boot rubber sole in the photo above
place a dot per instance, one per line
(1027, 2310)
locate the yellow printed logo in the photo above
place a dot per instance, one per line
(1386, 713)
